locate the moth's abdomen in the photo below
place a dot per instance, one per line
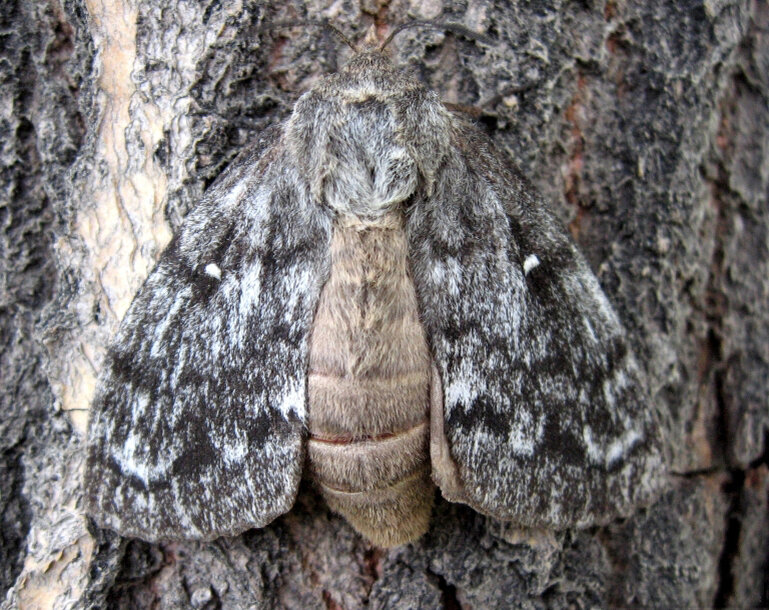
(368, 387)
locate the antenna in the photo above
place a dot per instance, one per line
(320, 23)
(435, 25)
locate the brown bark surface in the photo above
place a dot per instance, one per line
(644, 123)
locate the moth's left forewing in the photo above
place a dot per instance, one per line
(197, 426)
(545, 413)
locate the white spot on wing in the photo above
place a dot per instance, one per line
(250, 292)
(292, 400)
(621, 446)
(299, 282)
(531, 261)
(466, 383)
(133, 459)
(461, 391)
(525, 434)
(438, 272)
(235, 449)
(453, 278)
(614, 451)
(213, 270)
(159, 339)
(589, 329)
(447, 276)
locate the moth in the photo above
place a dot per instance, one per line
(371, 296)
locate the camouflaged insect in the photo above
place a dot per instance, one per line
(374, 297)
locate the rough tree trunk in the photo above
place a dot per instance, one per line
(645, 123)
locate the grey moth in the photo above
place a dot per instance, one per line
(371, 296)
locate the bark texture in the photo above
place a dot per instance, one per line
(645, 123)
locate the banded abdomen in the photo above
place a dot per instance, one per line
(369, 387)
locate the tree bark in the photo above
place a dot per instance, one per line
(644, 123)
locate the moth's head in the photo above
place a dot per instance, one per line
(368, 137)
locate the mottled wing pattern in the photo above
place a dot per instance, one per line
(546, 418)
(196, 429)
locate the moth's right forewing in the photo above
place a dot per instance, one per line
(545, 415)
(196, 428)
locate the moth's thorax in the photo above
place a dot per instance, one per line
(368, 387)
(368, 136)
(370, 171)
